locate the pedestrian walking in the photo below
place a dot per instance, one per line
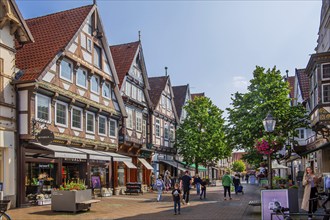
(185, 185)
(160, 186)
(247, 178)
(152, 181)
(203, 188)
(176, 193)
(197, 182)
(227, 182)
(237, 182)
(310, 181)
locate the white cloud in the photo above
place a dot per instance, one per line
(240, 82)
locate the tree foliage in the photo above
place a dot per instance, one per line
(267, 92)
(238, 166)
(200, 139)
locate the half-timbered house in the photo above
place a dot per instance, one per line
(69, 103)
(163, 125)
(12, 29)
(134, 137)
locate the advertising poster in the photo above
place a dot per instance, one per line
(268, 199)
(96, 182)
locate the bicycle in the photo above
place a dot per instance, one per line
(4, 206)
(279, 210)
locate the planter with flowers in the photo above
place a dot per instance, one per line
(70, 196)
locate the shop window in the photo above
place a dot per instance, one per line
(139, 121)
(76, 118)
(101, 172)
(121, 174)
(90, 122)
(43, 108)
(106, 90)
(61, 110)
(95, 84)
(66, 70)
(102, 125)
(113, 128)
(81, 78)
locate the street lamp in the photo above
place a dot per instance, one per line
(269, 125)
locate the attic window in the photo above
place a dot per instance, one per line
(97, 56)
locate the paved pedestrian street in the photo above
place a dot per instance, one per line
(146, 207)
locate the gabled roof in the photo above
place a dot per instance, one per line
(51, 33)
(303, 83)
(123, 57)
(157, 85)
(180, 93)
(291, 86)
(195, 95)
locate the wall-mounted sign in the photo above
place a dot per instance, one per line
(45, 137)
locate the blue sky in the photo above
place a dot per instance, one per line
(212, 45)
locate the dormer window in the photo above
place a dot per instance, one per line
(66, 70)
(325, 71)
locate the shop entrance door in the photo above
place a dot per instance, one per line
(73, 172)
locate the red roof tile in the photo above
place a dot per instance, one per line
(291, 84)
(157, 85)
(303, 82)
(51, 33)
(123, 55)
(180, 93)
(195, 95)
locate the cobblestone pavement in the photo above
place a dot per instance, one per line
(146, 207)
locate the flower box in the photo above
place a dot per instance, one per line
(65, 200)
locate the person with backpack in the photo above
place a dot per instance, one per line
(159, 186)
(176, 193)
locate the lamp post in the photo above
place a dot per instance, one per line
(269, 125)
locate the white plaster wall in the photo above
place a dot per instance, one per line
(73, 48)
(7, 140)
(87, 57)
(23, 122)
(48, 77)
(23, 100)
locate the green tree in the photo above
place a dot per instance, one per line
(200, 139)
(267, 92)
(238, 166)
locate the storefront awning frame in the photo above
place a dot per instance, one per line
(63, 151)
(130, 165)
(145, 163)
(94, 155)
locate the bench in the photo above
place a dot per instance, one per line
(255, 203)
(133, 188)
(85, 204)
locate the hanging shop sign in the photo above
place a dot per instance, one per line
(45, 137)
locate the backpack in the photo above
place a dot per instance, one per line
(159, 183)
(327, 183)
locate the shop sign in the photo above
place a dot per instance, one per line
(45, 137)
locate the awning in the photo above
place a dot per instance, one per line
(146, 164)
(193, 166)
(94, 155)
(175, 164)
(323, 146)
(130, 165)
(276, 165)
(118, 157)
(63, 151)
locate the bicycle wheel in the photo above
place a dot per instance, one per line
(4, 216)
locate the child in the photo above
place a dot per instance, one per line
(176, 198)
(160, 187)
(203, 187)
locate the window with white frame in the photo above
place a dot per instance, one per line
(43, 108)
(66, 70)
(95, 84)
(169, 104)
(89, 25)
(76, 118)
(166, 134)
(129, 119)
(164, 101)
(89, 45)
(90, 122)
(325, 71)
(301, 133)
(81, 78)
(113, 128)
(144, 128)
(106, 90)
(138, 121)
(61, 111)
(326, 93)
(128, 89)
(140, 95)
(102, 125)
(157, 128)
(134, 92)
(172, 132)
(97, 57)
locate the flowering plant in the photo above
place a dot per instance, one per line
(267, 147)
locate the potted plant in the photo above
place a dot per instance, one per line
(69, 197)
